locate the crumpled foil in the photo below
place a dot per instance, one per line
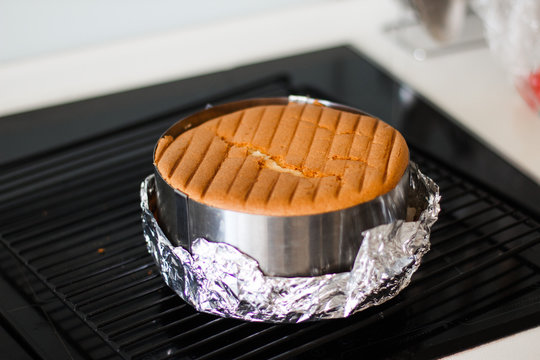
(219, 279)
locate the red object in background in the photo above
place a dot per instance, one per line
(529, 89)
(534, 81)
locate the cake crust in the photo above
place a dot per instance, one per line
(282, 160)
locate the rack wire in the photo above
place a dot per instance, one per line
(72, 218)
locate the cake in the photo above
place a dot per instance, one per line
(284, 160)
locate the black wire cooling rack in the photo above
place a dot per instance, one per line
(71, 217)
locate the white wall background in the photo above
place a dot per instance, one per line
(30, 28)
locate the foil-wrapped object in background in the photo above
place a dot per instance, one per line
(513, 32)
(512, 29)
(219, 279)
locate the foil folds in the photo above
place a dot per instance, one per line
(219, 279)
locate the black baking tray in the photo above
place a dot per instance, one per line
(73, 250)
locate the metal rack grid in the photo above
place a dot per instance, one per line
(72, 218)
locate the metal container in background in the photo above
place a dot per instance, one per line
(443, 19)
(304, 245)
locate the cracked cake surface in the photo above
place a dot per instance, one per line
(294, 159)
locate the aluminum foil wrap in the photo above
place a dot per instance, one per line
(219, 279)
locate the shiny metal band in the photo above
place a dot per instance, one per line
(305, 245)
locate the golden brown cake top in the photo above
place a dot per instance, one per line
(294, 159)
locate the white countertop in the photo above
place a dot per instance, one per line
(470, 85)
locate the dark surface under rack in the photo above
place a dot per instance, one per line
(73, 248)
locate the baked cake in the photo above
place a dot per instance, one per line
(294, 159)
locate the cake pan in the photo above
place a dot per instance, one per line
(302, 245)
